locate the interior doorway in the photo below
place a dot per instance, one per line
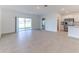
(43, 23)
(23, 24)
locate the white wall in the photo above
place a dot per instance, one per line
(0, 23)
(36, 22)
(8, 20)
(51, 22)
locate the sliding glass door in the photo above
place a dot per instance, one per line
(28, 23)
(24, 24)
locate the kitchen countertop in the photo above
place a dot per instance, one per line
(73, 31)
(74, 26)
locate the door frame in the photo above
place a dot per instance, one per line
(15, 24)
(16, 18)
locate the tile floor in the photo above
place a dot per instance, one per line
(36, 41)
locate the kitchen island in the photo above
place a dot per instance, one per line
(73, 31)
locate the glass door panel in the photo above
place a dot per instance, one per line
(23, 24)
(28, 23)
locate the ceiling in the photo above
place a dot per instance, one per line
(41, 9)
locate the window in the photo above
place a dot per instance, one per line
(24, 23)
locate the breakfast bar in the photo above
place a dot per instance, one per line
(73, 31)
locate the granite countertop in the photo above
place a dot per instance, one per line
(75, 26)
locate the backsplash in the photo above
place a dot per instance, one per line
(76, 23)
